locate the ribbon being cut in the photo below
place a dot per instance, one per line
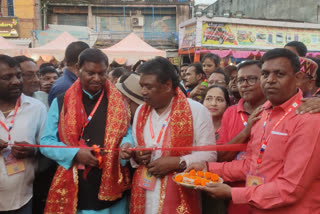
(233, 147)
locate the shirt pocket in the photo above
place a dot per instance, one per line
(276, 147)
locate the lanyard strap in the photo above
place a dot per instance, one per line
(243, 120)
(265, 142)
(162, 127)
(8, 129)
(92, 113)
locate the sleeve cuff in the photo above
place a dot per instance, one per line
(238, 195)
(68, 160)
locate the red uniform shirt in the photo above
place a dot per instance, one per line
(290, 164)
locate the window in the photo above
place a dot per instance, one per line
(10, 8)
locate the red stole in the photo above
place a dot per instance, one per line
(173, 198)
(63, 192)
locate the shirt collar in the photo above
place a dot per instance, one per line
(91, 97)
(70, 74)
(240, 106)
(284, 106)
(24, 99)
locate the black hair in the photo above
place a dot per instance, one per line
(282, 52)
(220, 71)
(317, 60)
(140, 62)
(198, 68)
(22, 58)
(224, 90)
(73, 51)
(92, 55)
(213, 57)
(8, 60)
(184, 64)
(300, 47)
(162, 68)
(228, 70)
(118, 72)
(249, 62)
(46, 64)
(48, 70)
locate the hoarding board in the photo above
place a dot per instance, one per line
(9, 27)
(218, 34)
(189, 37)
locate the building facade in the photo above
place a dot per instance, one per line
(285, 10)
(155, 21)
(19, 17)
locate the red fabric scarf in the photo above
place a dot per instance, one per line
(173, 198)
(63, 193)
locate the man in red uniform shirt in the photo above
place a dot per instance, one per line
(281, 168)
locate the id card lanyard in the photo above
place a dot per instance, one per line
(243, 120)
(91, 115)
(8, 129)
(264, 143)
(162, 128)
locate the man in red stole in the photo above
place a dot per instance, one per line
(89, 113)
(167, 120)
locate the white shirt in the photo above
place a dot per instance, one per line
(16, 189)
(203, 134)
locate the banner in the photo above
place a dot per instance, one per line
(189, 37)
(214, 34)
(9, 27)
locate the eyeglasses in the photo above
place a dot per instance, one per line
(251, 80)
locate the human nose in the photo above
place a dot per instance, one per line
(214, 102)
(144, 91)
(15, 81)
(271, 78)
(96, 77)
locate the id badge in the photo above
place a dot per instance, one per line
(254, 180)
(146, 180)
(13, 166)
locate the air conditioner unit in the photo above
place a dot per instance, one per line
(137, 21)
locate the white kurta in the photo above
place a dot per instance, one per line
(203, 134)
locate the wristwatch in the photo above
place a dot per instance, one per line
(182, 164)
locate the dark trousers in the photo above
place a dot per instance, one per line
(26, 209)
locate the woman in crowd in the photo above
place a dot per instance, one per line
(217, 101)
(210, 63)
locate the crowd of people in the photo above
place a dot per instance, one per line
(272, 105)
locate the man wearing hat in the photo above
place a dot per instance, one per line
(131, 90)
(306, 76)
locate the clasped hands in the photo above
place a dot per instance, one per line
(158, 168)
(19, 152)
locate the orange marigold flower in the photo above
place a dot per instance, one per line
(200, 173)
(192, 172)
(96, 148)
(178, 178)
(197, 181)
(186, 175)
(204, 181)
(207, 175)
(214, 177)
